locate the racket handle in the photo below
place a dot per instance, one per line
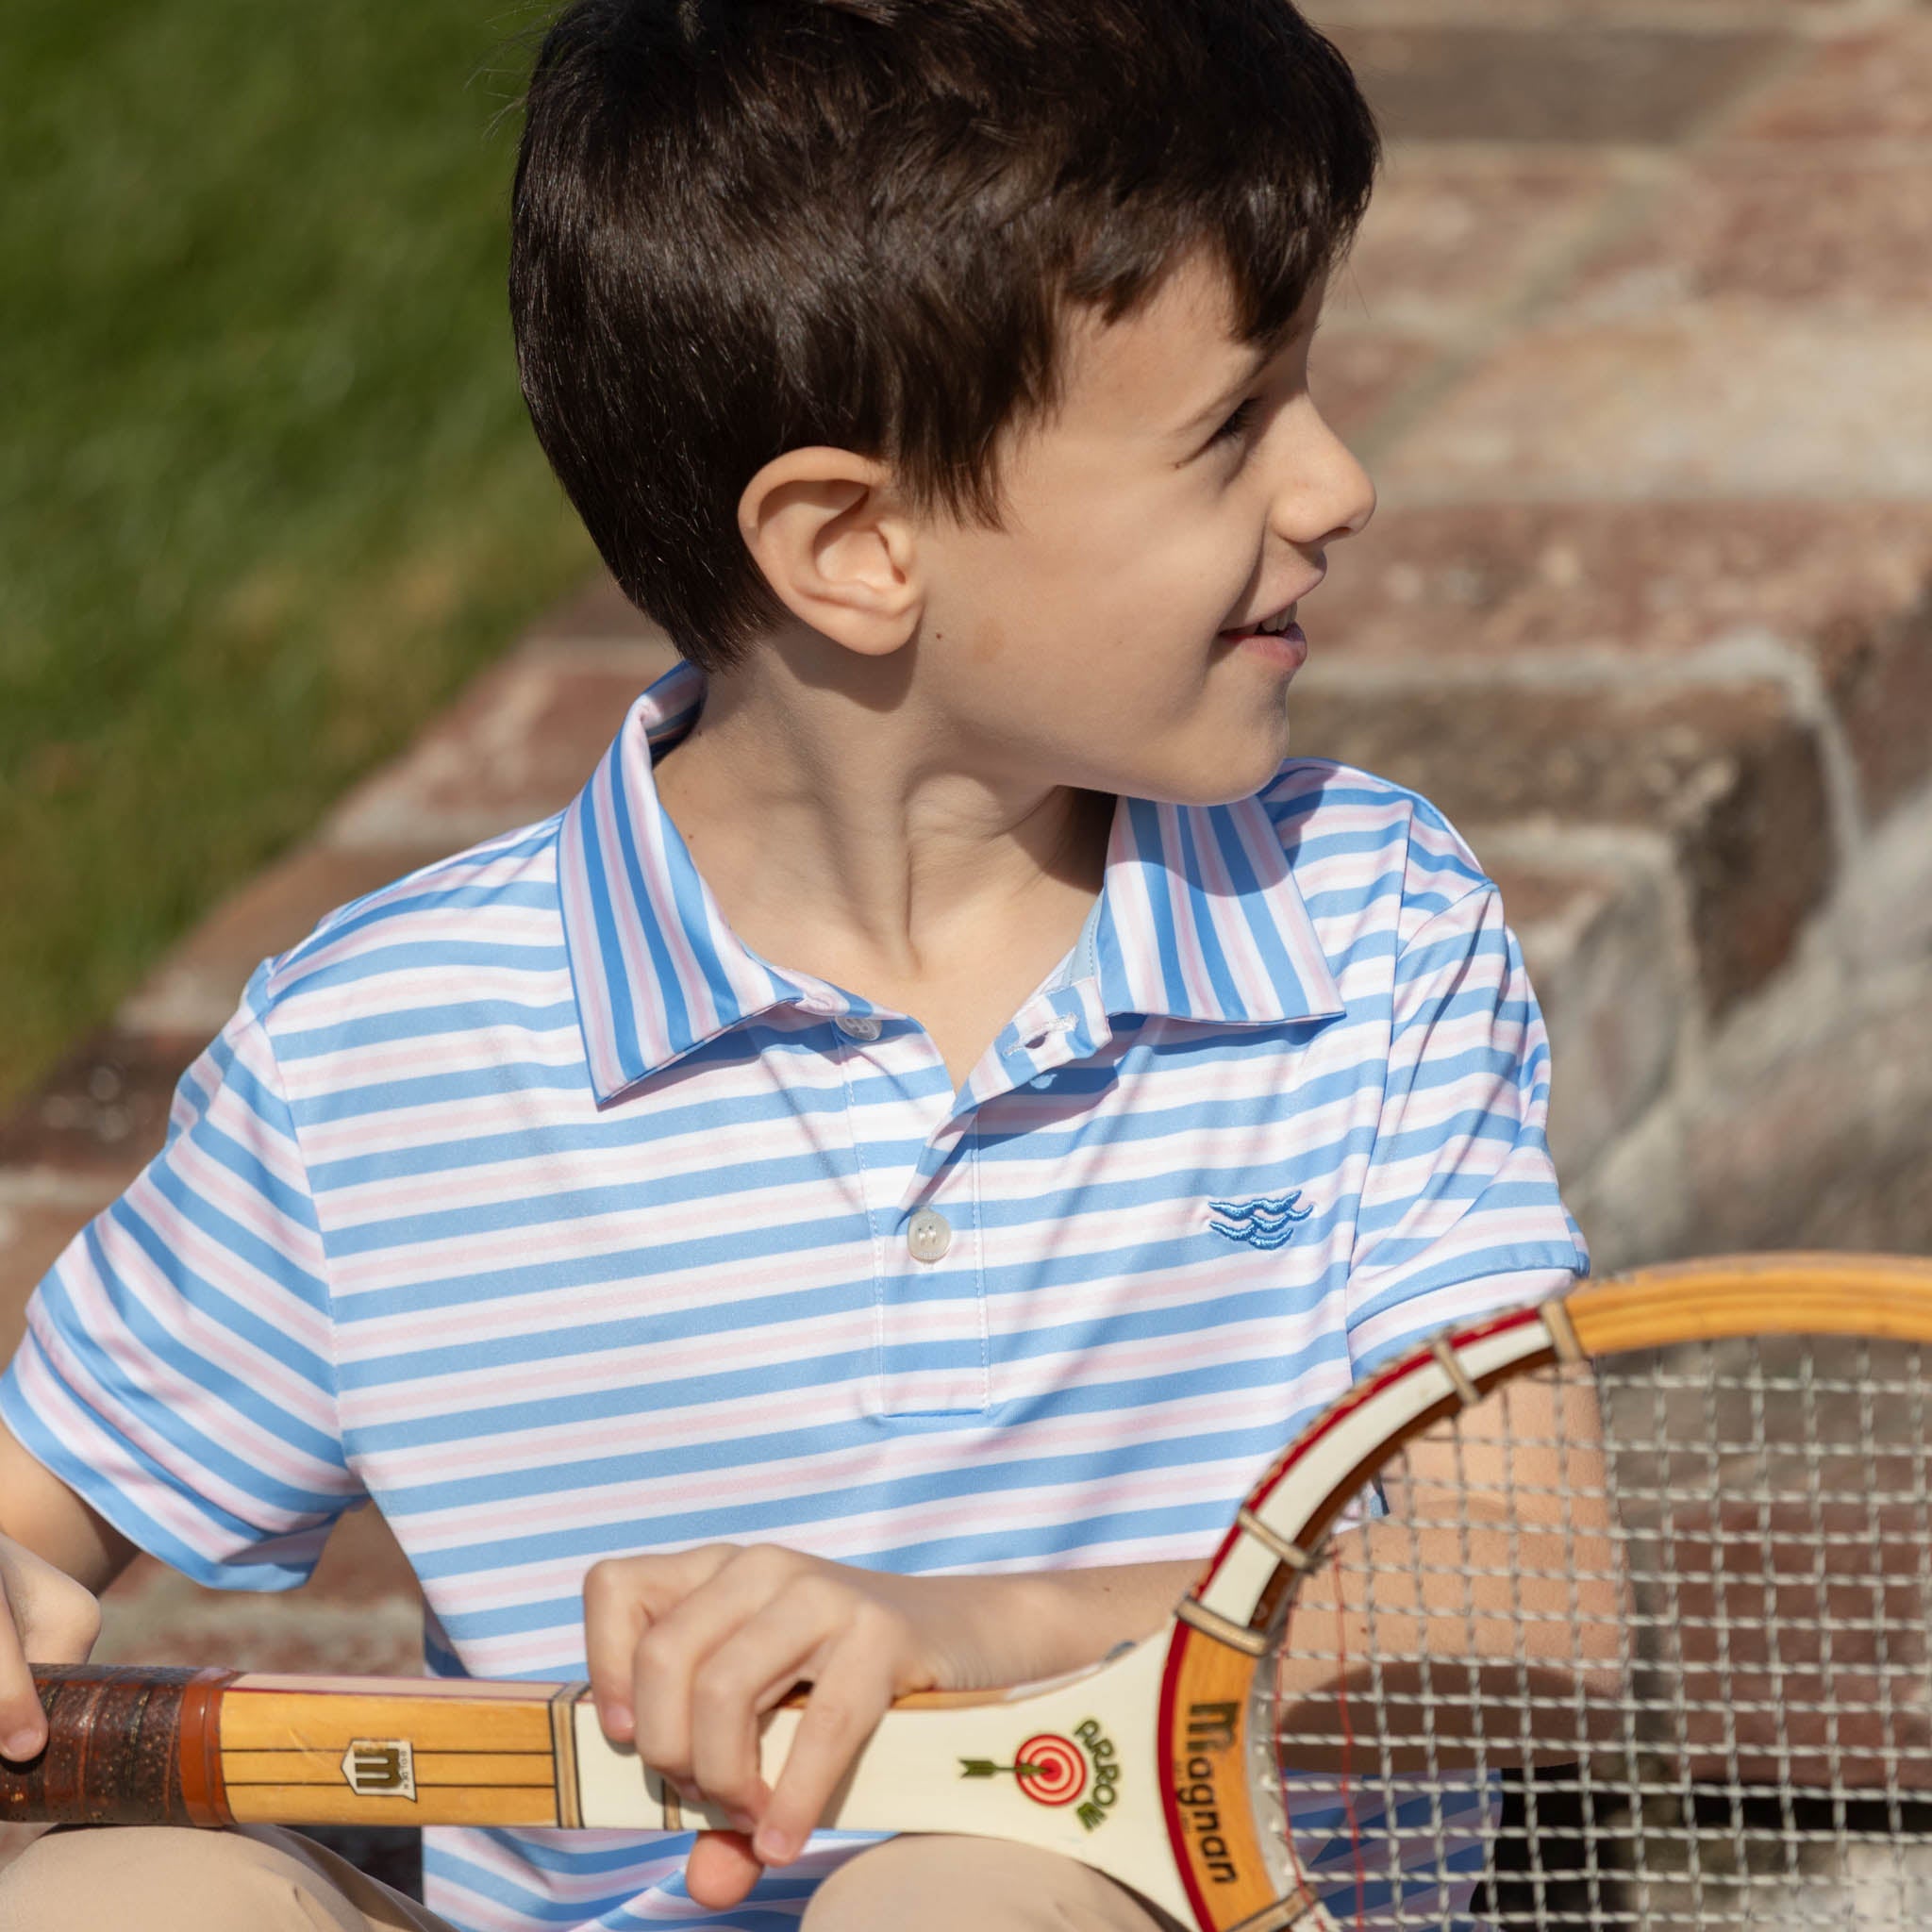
(222, 1747)
(124, 1747)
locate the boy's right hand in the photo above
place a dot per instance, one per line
(45, 1618)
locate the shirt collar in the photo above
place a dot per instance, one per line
(656, 969)
(1199, 918)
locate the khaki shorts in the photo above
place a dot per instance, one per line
(264, 1879)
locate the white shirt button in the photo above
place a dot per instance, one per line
(928, 1235)
(858, 1025)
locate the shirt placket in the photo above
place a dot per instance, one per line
(930, 1327)
(934, 1345)
(936, 1351)
(933, 1333)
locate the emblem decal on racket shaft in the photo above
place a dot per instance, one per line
(1053, 1770)
(380, 1767)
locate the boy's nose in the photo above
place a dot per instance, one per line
(1355, 492)
(1327, 493)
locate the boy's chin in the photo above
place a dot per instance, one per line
(1240, 766)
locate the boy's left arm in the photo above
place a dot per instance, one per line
(687, 1652)
(1460, 1213)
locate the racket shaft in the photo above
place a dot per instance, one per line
(1069, 1766)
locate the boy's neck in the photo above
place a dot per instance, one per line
(847, 832)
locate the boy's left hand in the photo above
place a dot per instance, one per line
(688, 1651)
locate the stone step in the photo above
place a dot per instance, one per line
(1599, 931)
(1731, 779)
(1830, 599)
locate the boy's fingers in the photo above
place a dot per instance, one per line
(621, 1595)
(48, 1618)
(721, 1869)
(23, 1725)
(741, 1679)
(613, 1618)
(674, 1647)
(853, 1691)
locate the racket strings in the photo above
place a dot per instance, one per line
(1672, 1673)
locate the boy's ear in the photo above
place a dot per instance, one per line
(837, 546)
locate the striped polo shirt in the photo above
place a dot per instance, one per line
(524, 1199)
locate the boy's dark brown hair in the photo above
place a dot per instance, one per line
(743, 227)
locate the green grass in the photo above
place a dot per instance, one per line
(267, 490)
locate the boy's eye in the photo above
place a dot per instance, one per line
(1236, 427)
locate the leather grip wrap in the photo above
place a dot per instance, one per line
(115, 1748)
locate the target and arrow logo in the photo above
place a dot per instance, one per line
(1049, 1769)
(1053, 1770)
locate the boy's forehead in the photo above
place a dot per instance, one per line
(1167, 363)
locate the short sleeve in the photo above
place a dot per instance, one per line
(177, 1371)
(1460, 1213)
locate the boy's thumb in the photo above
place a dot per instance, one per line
(45, 1618)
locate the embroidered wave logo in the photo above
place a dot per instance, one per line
(1269, 1222)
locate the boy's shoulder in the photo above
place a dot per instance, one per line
(446, 931)
(1356, 841)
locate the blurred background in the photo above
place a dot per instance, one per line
(269, 494)
(1636, 342)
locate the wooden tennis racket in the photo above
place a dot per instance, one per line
(1607, 1613)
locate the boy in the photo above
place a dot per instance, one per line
(857, 1195)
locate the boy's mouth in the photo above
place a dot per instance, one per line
(1280, 621)
(1277, 638)
(1277, 624)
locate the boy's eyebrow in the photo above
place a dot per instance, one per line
(1302, 324)
(1225, 397)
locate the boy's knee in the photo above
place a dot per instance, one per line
(163, 1879)
(977, 1885)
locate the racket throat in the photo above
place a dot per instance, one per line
(1072, 1766)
